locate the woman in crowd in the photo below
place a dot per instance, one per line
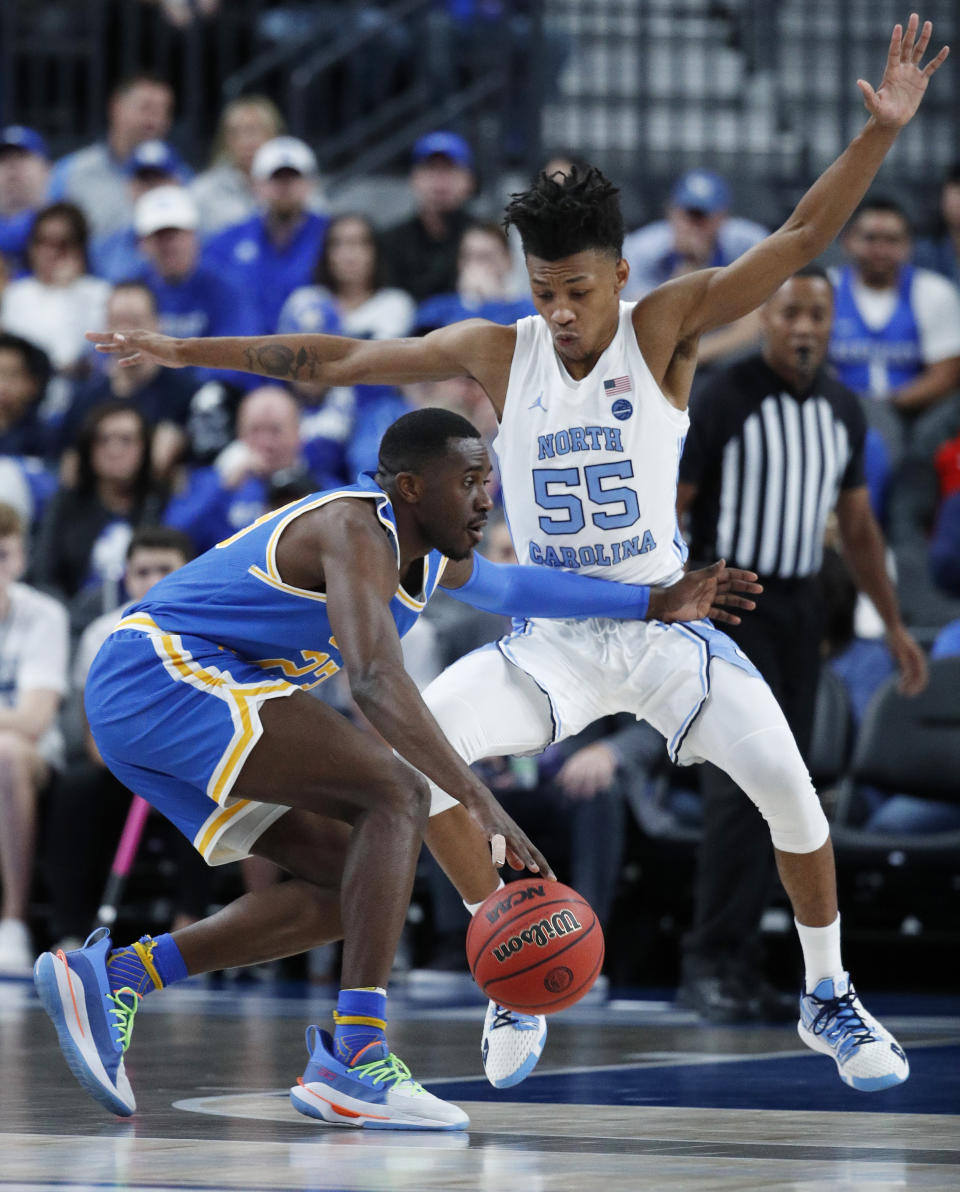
(349, 277)
(58, 300)
(224, 192)
(86, 529)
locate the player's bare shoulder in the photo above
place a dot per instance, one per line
(661, 322)
(486, 350)
(338, 533)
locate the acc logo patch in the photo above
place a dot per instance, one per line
(621, 409)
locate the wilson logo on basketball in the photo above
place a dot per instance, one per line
(512, 899)
(540, 934)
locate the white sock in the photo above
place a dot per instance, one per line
(473, 907)
(821, 952)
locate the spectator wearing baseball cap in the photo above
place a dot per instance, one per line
(421, 252)
(193, 297)
(24, 181)
(697, 233)
(275, 251)
(117, 256)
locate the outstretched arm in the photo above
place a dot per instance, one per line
(714, 297)
(536, 592)
(473, 348)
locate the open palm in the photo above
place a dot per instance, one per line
(904, 80)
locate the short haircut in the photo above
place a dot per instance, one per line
(133, 283)
(161, 538)
(488, 228)
(420, 436)
(35, 359)
(142, 78)
(813, 270)
(558, 217)
(10, 521)
(883, 205)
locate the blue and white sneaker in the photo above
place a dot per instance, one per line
(512, 1044)
(379, 1094)
(833, 1021)
(93, 1024)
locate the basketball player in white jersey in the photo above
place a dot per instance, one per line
(591, 395)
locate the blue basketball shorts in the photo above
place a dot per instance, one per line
(175, 717)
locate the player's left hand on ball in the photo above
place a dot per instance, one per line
(707, 592)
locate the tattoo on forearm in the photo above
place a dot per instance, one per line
(277, 360)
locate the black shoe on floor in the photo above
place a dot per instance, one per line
(714, 999)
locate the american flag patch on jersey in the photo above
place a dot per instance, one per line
(617, 385)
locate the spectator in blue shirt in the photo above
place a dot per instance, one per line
(262, 469)
(941, 252)
(24, 180)
(117, 256)
(484, 268)
(698, 232)
(193, 298)
(275, 251)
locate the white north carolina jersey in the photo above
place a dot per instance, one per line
(589, 468)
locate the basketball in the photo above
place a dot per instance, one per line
(535, 946)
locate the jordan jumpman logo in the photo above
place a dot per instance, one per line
(538, 401)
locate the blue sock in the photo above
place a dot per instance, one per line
(361, 1023)
(146, 965)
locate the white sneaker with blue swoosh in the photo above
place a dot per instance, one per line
(379, 1094)
(833, 1021)
(512, 1044)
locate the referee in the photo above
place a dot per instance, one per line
(775, 443)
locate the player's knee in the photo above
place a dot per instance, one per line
(770, 769)
(405, 792)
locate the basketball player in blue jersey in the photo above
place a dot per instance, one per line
(197, 701)
(591, 395)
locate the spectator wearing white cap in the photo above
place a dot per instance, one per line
(698, 233)
(24, 180)
(275, 251)
(421, 252)
(117, 256)
(140, 109)
(193, 297)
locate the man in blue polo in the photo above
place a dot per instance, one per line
(24, 180)
(275, 251)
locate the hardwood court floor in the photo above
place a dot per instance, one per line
(631, 1095)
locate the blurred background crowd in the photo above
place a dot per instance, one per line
(206, 168)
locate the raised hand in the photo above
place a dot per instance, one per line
(708, 592)
(904, 81)
(134, 347)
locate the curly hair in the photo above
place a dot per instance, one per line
(568, 213)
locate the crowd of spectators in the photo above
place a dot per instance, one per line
(95, 458)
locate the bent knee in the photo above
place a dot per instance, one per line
(405, 791)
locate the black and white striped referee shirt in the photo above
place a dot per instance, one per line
(768, 467)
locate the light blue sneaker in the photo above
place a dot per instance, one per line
(379, 1094)
(93, 1024)
(511, 1045)
(833, 1021)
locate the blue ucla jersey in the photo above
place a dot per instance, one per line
(872, 361)
(233, 595)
